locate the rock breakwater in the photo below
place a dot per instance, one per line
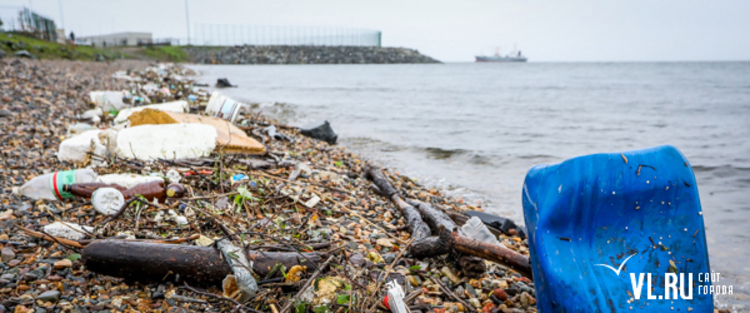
(306, 55)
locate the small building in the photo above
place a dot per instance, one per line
(118, 39)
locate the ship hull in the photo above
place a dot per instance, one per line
(482, 59)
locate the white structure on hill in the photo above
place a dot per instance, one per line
(118, 39)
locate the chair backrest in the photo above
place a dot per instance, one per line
(600, 225)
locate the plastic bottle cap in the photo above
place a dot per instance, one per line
(107, 200)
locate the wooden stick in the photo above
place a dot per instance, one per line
(494, 253)
(417, 227)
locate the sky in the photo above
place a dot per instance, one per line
(453, 31)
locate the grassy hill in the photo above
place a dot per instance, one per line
(11, 43)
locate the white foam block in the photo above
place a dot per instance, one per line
(74, 149)
(170, 141)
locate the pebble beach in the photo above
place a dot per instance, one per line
(325, 208)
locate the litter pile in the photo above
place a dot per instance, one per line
(139, 191)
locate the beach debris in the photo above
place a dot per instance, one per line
(174, 106)
(447, 240)
(246, 285)
(223, 83)
(128, 180)
(108, 100)
(168, 244)
(107, 200)
(95, 115)
(76, 149)
(394, 299)
(223, 107)
(506, 225)
(299, 169)
(295, 273)
(230, 139)
(50, 186)
(67, 230)
(204, 266)
(77, 129)
(150, 191)
(170, 141)
(475, 229)
(321, 131)
(609, 207)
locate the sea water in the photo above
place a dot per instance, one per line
(475, 129)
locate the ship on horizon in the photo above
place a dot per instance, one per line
(513, 56)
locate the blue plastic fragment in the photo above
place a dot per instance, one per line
(634, 211)
(238, 178)
(192, 98)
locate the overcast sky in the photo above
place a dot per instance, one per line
(455, 30)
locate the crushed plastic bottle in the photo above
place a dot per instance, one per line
(394, 301)
(475, 229)
(50, 186)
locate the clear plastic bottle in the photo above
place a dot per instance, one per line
(475, 229)
(50, 186)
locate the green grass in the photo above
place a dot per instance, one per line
(51, 50)
(167, 53)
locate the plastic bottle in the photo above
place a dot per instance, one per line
(149, 190)
(49, 186)
(475, 229)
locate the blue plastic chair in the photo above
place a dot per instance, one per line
(593, 220)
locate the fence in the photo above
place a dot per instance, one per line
(21, 19)
(232, 35)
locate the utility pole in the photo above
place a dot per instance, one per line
(62, 19)
(187, 21)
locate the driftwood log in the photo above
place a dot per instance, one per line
(424, 245)
(203, 266)
(445, 238)
(417, 227)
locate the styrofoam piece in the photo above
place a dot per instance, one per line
(95, 115)
(127, 180)
(168, 141)
(107, 200)
(108, 138)
(180, 106)
(67, 230)
(75, 149)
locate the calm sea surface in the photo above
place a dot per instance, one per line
(475, 129)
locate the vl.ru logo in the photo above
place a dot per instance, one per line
(674, 284)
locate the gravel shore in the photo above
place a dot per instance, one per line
(331, 209)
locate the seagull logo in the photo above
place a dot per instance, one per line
(617, 271)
